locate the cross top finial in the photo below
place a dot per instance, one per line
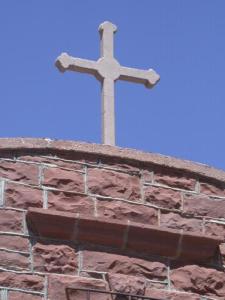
(107, 70)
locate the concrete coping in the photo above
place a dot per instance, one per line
(129, 155)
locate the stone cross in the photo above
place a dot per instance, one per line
(107, 70)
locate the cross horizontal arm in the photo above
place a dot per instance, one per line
(66, 62)
(147, 77)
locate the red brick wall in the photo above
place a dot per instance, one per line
(120, 188)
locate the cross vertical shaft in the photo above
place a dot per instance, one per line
(108, 112)
(107, 70)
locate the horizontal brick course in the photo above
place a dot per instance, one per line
(162, 197)
(64, 201)
(114, 184)
(54, 258)
(63, 179)
(14, 260)
(18, 171)
(22, 281)
(121, 210)
(14, 242)
(200, 205)
(21, 196)
(11, 221)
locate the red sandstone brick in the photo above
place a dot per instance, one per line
(176, 221)
(14, 242)
(22, 281)
(120, 210)
(126, 284)
(174, 178)
(121, 264)
(54, 259)
(163, 197)
(64, 201)
(11, 220)
(52, 161)
(115, 163)
(213, 189)
(17, 171)
(57, 287)
(21, 196)
(113, 184)
(23, 296)
(199, 280)
(215, 229)
(204, 206)
(64, 179)
(13, 260)
(176, 295)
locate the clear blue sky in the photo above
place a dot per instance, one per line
(184, 41)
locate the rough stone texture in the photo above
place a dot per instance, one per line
(126, 284)
(176, 221)
(21, 196)
(23, 296)
(113, 184)
(174, 179)
(64, 201)
(213, 189)
(160, 294)
(15, 260)
(11, 220)
(14, 242)
(17, 171)
(101, 261)
(215, 229)
(22, 281)
(162, 197)
(203, 281)
(64, 179)
(125, 211)
(58, 284)
(54, 259)
(114, 263)
(204, 206)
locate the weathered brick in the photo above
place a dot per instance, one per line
(213, 189)
(13, 260)
(11, 220)
(64, 201)
(54, 258)
(64, 179)
(163, 197)
(22, 281)
(126, 284)
(14, 242)
(53, 161)
(117, 164)
(215, 229)
(121, 264)
(18, 171)
(176, 221)
(113, 184)
(203, 206)
(21, 196)
(199, 280)
(57, 287)
(121, 210)
(174, 178)
(12, 295)
(162, 294)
